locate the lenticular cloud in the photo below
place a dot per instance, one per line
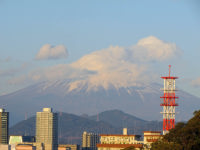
(153, 49)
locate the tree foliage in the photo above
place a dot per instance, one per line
(129, 148)
(161, 145)
(185, 136)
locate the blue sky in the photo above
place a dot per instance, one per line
(86, 26)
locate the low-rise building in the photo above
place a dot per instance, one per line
(150, 137)
(5, 147)
(69, 147)
(120, 141)
(25, 147)
(19, 139)
(118, 146)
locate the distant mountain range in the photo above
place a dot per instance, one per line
(72, 126)
(79, 98)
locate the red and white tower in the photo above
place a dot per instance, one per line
(169, 102)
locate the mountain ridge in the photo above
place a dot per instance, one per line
(143, 101)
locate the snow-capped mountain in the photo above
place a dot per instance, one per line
(79, 97)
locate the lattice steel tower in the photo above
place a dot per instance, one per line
(169, 102)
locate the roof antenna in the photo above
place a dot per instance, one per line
(169, 70)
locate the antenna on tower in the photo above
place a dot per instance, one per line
(169, 70)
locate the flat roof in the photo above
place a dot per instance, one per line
(152, 135)
(152, 131)
(120, 145)
(116, 135)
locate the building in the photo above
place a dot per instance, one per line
(28, 146)
(69, 147)
(4, 126)
(150, 137)
(25, 147)
(121, 141)
(5, 147)
(89, 141)
(14, 140)
(20, 139)
(47, 129)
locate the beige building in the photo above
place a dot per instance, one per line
(120, 141)
(14, 140)
(4, 126)
(69, 147)
(150, 137)
(25, 147)
(118, 146)
(89, 141)
(5, 147)
(47, 129)
(62, 148)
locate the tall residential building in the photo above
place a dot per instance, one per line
(89, 141)
(47, 129)
(4, 126)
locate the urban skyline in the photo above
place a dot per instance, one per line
(46, 137)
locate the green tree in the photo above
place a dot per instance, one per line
(185, 136)
(163, 145)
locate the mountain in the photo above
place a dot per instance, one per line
(71, 127)
(118, 118)
(78, 97)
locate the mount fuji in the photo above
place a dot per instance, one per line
(80, 98)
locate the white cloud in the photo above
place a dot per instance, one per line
(113, 66)
(48, 51)
(196, 82)
(154, 49)
(121, 66)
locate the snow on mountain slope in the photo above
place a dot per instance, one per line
(143, 101)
